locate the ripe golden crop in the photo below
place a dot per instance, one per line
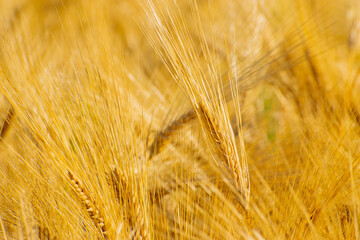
(179, 119)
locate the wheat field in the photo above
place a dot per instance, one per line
(179, 119)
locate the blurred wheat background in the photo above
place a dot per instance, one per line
(179, 119)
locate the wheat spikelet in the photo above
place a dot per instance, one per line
(91, 208)
(6, 124)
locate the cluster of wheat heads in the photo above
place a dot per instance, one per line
(179, 119)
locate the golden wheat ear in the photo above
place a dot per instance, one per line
(125, 194)
(163, 135)
(90, 205)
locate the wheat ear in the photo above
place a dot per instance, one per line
(226, 149)
(43, 232)
(118, 181)
(91, 208)
(141, 226)
(354, 113)
(163, 135)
